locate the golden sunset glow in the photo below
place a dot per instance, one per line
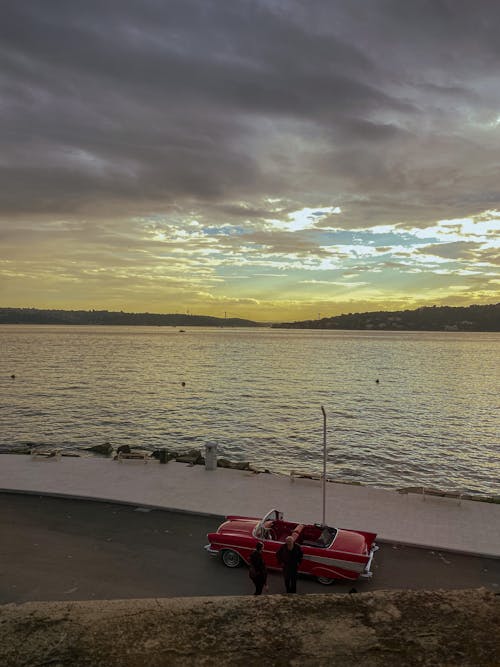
(239, 159)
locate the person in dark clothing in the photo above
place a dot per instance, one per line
(289, 556)
(258, 570)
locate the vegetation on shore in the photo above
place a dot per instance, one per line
(40, 316)
(432, 318)
(429, 318)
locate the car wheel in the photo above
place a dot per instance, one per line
(230, 558)
(326, 581)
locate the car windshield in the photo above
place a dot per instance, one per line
(262, 530)
(259, 531)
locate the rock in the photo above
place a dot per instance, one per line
(123, 449)
(185, 458)
(234, 465)
(104, 449)
(193, 456)
(13, 449)
(170, 455)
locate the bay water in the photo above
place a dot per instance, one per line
(431, 419)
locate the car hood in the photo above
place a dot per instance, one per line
(350, 541)
(241, 526)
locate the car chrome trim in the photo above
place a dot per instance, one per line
(367, 573)
(208, 548)
(239, 549)
(347, 553)
(349, 565)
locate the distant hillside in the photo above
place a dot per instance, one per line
(434, 318)
(36, 316)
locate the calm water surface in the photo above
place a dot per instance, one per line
(432, 419)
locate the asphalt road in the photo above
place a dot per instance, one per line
(60, 549)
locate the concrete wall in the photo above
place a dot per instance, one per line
(372, 629)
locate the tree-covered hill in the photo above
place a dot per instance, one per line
(433, 318)
(37, 316)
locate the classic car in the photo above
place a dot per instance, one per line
(329, 553)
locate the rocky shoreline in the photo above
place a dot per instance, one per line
(194, 457)
(190, 456)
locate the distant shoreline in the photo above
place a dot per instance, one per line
(432, 318)
(472, 318)
(180, 327)
(105, 317)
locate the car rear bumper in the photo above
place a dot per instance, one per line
(367, 573)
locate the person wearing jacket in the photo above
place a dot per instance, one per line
(289, 556)
(258, 570)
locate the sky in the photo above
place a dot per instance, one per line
(275, 160)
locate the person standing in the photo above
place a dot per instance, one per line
(289, 556)
(258, 570)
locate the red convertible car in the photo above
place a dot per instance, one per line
(329, 553)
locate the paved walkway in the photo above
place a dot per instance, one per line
(435, 522)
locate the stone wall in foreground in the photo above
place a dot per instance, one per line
(402, 628)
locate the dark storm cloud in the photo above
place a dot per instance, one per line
(125, 107)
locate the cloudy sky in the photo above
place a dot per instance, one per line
(269, 159)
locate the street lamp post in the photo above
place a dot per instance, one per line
(324, 465)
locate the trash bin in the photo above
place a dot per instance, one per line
(163, 455)
(210, 456)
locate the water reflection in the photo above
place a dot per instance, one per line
(430, 419)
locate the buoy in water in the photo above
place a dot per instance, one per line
(183, 384)
(13, 376)
(377, 380)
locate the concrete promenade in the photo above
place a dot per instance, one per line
(434, 522)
